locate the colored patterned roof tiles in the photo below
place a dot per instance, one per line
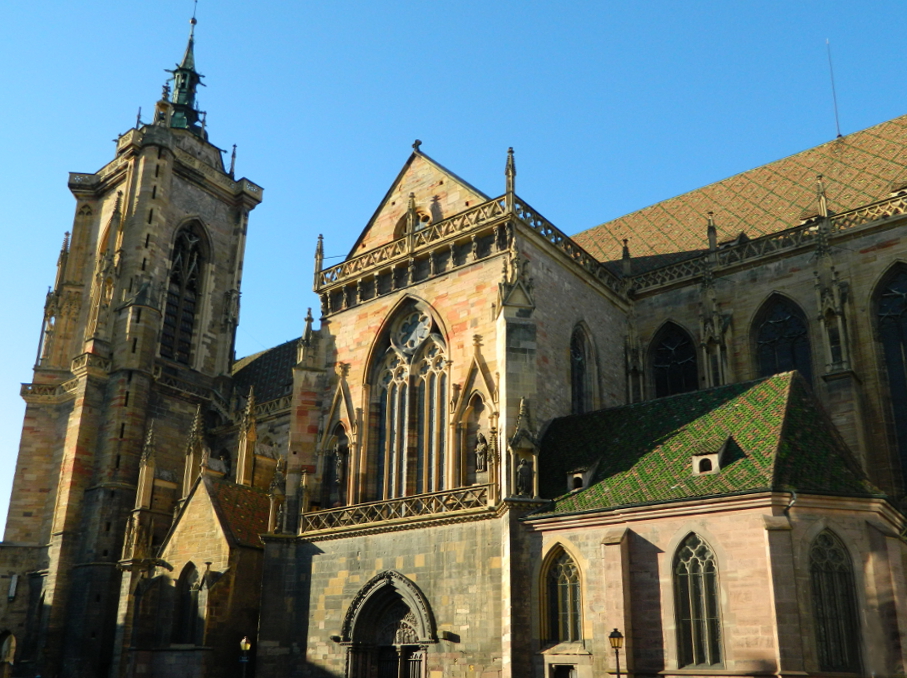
(270, 372)
(243, 511)
(774, 434)
(858, 168)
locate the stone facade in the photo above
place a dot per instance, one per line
(393, 493)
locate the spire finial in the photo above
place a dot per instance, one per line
(510, 174)
(233, 161)
(625, 258)
(416, 145)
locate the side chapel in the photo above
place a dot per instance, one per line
(502, 447)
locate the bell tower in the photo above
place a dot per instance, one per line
(138, 327)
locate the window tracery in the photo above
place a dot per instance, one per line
(564, 601)
(183, 295)
(411, 410)
(673, 357)
(782, 339)
(892, 323)
(834, 604)
(696, 604)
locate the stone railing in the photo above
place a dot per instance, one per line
(799, 236)
(564, 243)
(445, 502)
(422, 239)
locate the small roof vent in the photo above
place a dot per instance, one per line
(709, 455)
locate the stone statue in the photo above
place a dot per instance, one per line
(481, 451)
(338, 466)
(524, 478)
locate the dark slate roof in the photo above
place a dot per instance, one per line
(270, 372)
(243, 511)
(858, 168)
(780, 439)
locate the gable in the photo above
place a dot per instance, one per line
(439, 194)
(197, 534)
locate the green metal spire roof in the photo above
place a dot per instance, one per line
(185, 84)
(775, 434)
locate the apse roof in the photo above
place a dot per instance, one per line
(857, 169)
(776, 437)
(270, 372)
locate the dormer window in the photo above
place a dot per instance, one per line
(709, 456)
(580, 478)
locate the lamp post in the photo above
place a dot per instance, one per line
(244, 645)
(617, 642)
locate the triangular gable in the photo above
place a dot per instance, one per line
(438, 192)
(196, 516)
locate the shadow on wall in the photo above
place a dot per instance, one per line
(648, 631)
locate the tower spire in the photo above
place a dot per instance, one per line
(185, 84)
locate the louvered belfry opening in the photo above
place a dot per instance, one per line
(183, 294)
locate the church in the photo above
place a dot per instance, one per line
(674, 444)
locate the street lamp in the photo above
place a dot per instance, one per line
(617, 642)
(244, 645)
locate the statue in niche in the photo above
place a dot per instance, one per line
(524, 478)
(225, 460)
(481, 451)
(338, 465)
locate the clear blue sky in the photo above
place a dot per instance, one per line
(610, 106)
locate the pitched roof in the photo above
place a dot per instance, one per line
(858, 168)
(778, 438)
(243, 511)
(398, 182)
(270, 372)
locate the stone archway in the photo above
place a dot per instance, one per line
(387, 629)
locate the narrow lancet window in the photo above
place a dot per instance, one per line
(696, 604)
(834, 605)
(564, 602)
(892, 323)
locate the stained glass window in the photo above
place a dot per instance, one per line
(673, 358)
(564, 620)
(892, 317)
(410, 411)
(782, 339)
(834, 604)
(696, 604)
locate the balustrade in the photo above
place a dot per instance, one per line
(445, 502)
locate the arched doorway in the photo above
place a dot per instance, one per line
(387, 629)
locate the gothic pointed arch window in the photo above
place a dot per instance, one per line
(409, 406)
(184, 288)
(781, 338)
(891, 316)
(187, 623)
(696, 604)
(563, 598)
(581, 372)
(834, 604)
(673, 358)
